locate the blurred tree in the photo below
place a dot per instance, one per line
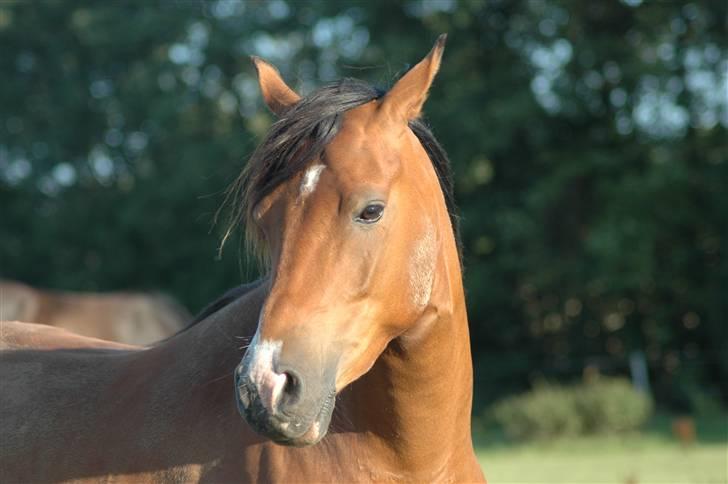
(588, 142)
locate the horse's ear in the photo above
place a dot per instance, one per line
(405, 99)
(276, 93)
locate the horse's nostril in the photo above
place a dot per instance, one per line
(292, 389)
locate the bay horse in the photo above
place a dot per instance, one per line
(127, 317)
(349, 361)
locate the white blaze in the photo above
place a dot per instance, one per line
(270, 384)
(310, 179)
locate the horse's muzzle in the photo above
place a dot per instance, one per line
(281, 405)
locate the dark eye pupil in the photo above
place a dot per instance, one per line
(371, 213)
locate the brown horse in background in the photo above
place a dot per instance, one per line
(125, 317)
(350, 359)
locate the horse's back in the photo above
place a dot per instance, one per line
(132, 318)
(126, 317)
(16, 335)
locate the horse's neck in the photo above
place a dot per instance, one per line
(418, 396)
(207, 353)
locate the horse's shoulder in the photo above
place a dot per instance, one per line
(29, 336)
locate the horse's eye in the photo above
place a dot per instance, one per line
(371, 213)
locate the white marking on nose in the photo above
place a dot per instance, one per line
(270, 384)
(310, 179)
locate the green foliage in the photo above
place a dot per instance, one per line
(604, 406)
(611, 405)
(546, 412)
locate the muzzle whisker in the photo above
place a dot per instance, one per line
(226, 375)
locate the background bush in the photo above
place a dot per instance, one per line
(605, 405)
(547, 411)
(610, 405)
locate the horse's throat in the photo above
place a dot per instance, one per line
(419, 393)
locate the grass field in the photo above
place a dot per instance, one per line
(654, 456)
